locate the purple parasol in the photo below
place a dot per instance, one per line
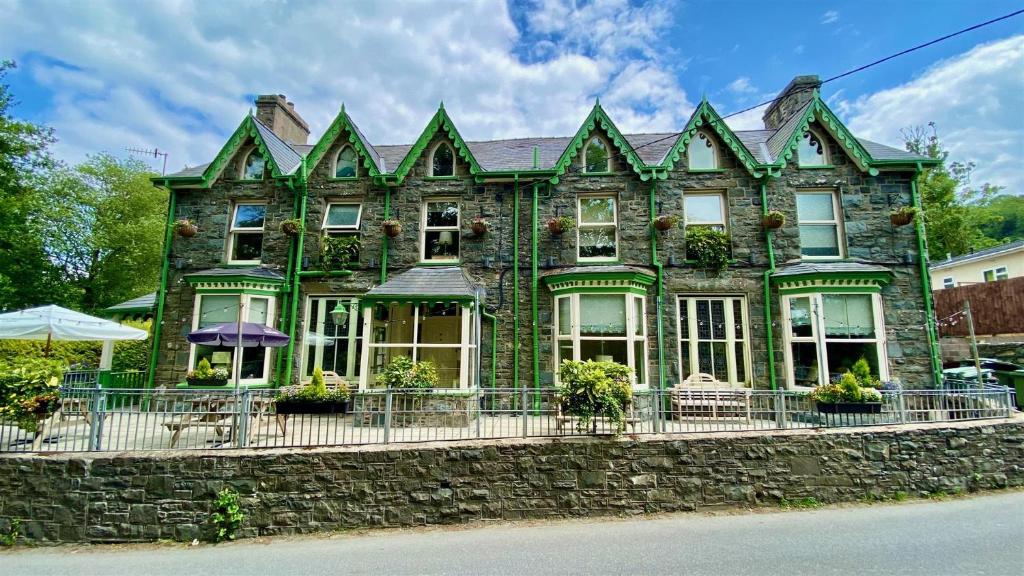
(253, 336)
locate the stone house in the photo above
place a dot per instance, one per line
(796, 304)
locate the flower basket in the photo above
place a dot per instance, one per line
(902, 216)
(479, 226)
(849, 407)
(773, 220)
(185, 228)
(296, 406)
(560, 225)
(665, 222)
(291, 227)
(392, 228)
(213, 381)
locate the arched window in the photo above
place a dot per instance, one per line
(701, 153)
(813, 150)
(596, 156)
(254, 166)
(443, 162)
(345, 166)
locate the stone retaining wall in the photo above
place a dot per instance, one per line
(148, 496)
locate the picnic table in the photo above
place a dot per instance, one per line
(219, 413)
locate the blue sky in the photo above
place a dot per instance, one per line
(180, 74)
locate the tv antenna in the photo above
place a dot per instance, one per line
(155, 153)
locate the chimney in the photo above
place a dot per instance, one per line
(797, 93)
(279, 115)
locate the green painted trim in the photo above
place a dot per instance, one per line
(385, 242)
(598, 117)
(820, 112)
(638, 277)
(440, 122)
(515, 285)
(707, 171)
(282, 320)
(323, 274)
(186, 386)
(926, 289)
(598, 290)
(599, 174)
(867, 289)
(343, 179)
(194, 279)
(436, 178)
(705, 114)
(342, 122)
(368, 300)
(881, 278)
(301, 196)
(165, 265)
(819, 167)
(255, 291)
(494, 346)
(533, 297)
(660, 292)
(768, 328)
(247, 129)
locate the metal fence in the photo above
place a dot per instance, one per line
(103, 419)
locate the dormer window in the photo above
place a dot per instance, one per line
(701, 153)
(254, 166)
(345, 165)
(812, 150)
(443, 161)
(595, 156)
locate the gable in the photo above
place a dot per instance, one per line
(705, 117)
(280, 158)
(598, 119)
(343, 127)
(440, 123)
(784, 143)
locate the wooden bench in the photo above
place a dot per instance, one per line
(70, 412)
(702, 395)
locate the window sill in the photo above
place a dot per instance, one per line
(342, 178)
(707, 171)
(823, 258)
(440, 263)
(441, 177)
(822, 167)
(730, 262)
(241, 263)
(598, 173)
(589, 261)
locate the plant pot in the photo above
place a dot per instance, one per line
(555, 227)
(187, 229)
(311, 406)
(664, 224)
(773, 221)
(850, 408)
(207, 381)
(478, 228)
(901, 218)
(290, 228)
(392, 230)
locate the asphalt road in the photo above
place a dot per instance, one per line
(981, 535)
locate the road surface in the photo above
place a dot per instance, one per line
(980, 535)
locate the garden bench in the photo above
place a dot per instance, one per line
(689, 399)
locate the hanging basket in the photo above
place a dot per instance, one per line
(186, 229)
(665, 222)
(560, 225)
(290, 227)
(392, 228)
(902, 217)
(479, 227)
(773, 220)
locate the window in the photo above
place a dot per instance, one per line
(701, 153)
(820, 224)
(245, 236)
(254, 166)
(827, 333)
(713, 338)
(602, 327)
(597, 231)
(440, 231)
(705, 210)
(342, 216)
(995, 274)
(345, 164)
(948, 283)
(334, 337)
(812, 150)
(595, 156)
(212, 309)
(443, 161)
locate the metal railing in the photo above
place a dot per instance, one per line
(120, 419)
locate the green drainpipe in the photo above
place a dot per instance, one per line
(282, 321)
(295, 277)
(769, 339)
(926, 284)
(384, 245)
(660, 294)
(533, 299)
(515, 286)
(494, 346)
(162, 292)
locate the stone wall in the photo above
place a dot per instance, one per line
(146, 496)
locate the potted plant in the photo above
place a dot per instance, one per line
(708, 247)
(846, 396)
(185, 228)
(291, 226)
(560, 225)
(590, 389)
(313, 398)
(773, 219)
(479, 225)
(29, 392)
(665, 222)
(392, 228)
(337, 252)
(404, 374)
(206, 375)
(902, 216)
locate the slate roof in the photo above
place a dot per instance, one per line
(980, 254)
(426, 281)
(286, 157)
(374, 155)
(256, 273)
(843, 266)
(139, 304)
(599, 270)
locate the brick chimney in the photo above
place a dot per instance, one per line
(279, 115)
(797, 93)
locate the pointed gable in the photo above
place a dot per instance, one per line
(783, 144)
(598, 118)
(280, 157)
(439, 123)
(705, 115)
(343, 123)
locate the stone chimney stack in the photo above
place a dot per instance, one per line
(279, 115)
(797, 93)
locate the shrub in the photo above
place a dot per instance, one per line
(336, 252)
(133, 354)
(845, 389)
(707, 247)
(316, 391)
(205, 372)
(227, 515)
(402, 372)
(589, 389)
(68, 353)
(29, 391)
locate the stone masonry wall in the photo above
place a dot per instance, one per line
(148, 496)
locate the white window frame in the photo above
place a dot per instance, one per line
(233, 231)
(608, 156)
(245, 299)
(837, 221)
(631, 338)
(820, 340)
(722, 202)
(825, 152)
(998, 273)
(430, 166)
(455, 230)
(334, 166)
(245, 160)
(327, 229)
(714, 152)
(948, 282)
(316, 326)
(692, 344)
(580, 226)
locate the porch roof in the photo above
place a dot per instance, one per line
(425, 284)
(851, 274)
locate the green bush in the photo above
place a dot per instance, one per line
(590, 388)
(316, 391)
(708, 247)
(403, 373)
(227, 515)
(337, 252)
(133, 354)
(29, 391)
(846, 389)
(14, 352)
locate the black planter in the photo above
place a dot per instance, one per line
(311, 407)
(207, 382)
(851, 408)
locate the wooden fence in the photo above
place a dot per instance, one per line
(997, 307)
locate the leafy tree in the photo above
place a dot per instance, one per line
(1003, 216)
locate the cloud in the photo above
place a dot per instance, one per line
(974, 98)
(830, 17)
(741, 85)
(180, 74)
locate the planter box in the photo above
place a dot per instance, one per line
(412, 410)
(309, 407)
(851, 408)
(205, 382)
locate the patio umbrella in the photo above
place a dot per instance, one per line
(55, 323)
(253, 336)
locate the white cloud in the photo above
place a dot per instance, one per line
(741, 85)
(975, 100)
(180, 74)
(830, 17)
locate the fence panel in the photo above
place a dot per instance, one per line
(997, 307)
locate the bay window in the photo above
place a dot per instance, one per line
(597, 230)
(602, 327)
(212, 309)
(713, 338)
(333, 337)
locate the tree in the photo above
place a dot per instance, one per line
(1004, 217)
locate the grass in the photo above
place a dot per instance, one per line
(800, 503)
